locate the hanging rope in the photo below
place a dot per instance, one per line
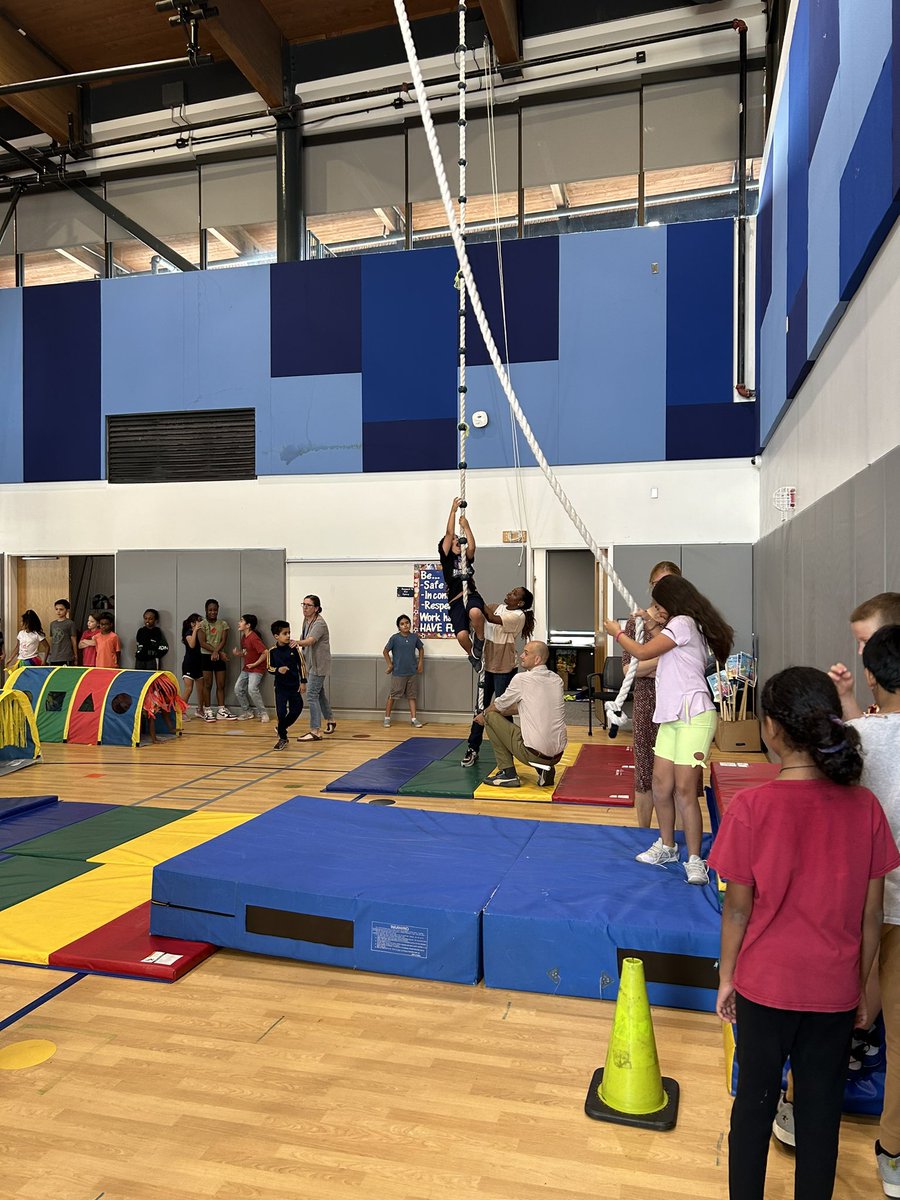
(475, 300)
(462, 425)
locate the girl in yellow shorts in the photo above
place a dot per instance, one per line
(684, 712)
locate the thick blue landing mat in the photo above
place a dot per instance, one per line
(388, 773)
(576, 902)
(48, 819)
(14, 806)
(393, 890)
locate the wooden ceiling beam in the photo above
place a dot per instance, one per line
(502, 20)
(50, 108)
(255, 45)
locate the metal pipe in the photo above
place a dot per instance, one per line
(52, 81)
(741, 385)
(289, 203)
(10, 212)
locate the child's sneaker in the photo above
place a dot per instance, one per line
(264, 718)
(470, 758)
(224, 715)
(281, 744)
(866, 1050)
(387, 722)
(416, 723)
(244, 716)
(783, 1125)
(889, 1170)
(208, 714)
(658, 854)
(696, 870)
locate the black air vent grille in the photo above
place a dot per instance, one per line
(178, 447)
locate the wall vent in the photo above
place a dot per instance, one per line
(180, 447)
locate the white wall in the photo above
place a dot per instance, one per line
(381, 517)
(846, 415)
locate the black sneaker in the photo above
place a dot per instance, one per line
(546, 776)
(505, 778)
(281, 744)
(477, 664)
(470, 758)
(477, 647)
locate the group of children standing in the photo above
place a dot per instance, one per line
(99, 645)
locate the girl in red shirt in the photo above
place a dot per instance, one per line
(805, 857)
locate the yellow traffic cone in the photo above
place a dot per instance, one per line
(629, 1089)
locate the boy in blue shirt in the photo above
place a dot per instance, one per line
(285, 663)
(404, 655)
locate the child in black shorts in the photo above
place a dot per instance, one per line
(457, 567)
(192, 665)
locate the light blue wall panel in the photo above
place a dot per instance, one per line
(612, 346)
(537, 389)
(773, 365)
(311, 425)
(864, 44)
(231, 366)
(146, 328)
(11, 329)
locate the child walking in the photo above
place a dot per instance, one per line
(192, 663)
(684, 712)
(29, 640)
(286, 664)
(805, 857)
(254, 664)
(404, 655)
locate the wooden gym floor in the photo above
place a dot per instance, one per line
(262, 1078)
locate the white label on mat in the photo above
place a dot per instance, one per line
(411, 940)
(163, 960)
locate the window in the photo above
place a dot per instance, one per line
(237, 211)
(61, 238)
(355, 194)
(168, 206)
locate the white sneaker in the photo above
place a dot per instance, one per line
(224, 715)
(387, 722)
(208, 715)
(888, 1170)
(783, 1125)
(658, 854)
(696, 870)
(245, 716)
(264, 717)
(416, 723)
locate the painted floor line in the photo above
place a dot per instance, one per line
(29, 1008)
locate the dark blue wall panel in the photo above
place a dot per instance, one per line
(824, 60)
(410, 445)
(316, 318)
(798, 200)
(711, 431)
(61, 382)
(868, 204)
(409, 336)
(700, 313)
(531, 288)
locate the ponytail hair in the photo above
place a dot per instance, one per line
(805, 703)
(528, 608)
(680, 598)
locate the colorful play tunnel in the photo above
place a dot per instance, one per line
(97, 705)
(20, 743)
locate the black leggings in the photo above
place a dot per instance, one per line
(817, 1044)
(288, 707)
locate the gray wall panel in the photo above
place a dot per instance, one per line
(796, 617)
(570, 590)
(634, 564)
(147, 579)
(449, 686)
(869, 531)
(352, 682)
(204, 574)
(892, 522)
(724, 574)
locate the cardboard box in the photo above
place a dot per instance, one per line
(737, 736)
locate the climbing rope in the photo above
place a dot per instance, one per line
(475, 300)
(462, 425)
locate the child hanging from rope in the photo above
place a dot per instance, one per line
(457, 555)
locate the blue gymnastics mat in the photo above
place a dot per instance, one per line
(575, 903)
(393, 890)
(388, 773)
(14, 806)
(32, 823)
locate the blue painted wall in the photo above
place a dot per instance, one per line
(620, 350)
(830, 190)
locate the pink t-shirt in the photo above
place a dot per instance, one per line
(89, 653)
(808, 848)
(681, 674)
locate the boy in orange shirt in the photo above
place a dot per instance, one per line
(107, 642)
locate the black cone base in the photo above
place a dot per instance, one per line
(660, 1121)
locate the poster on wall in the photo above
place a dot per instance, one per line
(431, 618)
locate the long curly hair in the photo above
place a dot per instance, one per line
(680, 598)
(805, 703)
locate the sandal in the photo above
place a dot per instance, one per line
(310, 737)
(331, 727)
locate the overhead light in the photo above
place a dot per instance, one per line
(40, 558)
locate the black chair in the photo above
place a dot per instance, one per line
(610, 683)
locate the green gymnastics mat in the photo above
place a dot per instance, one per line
(97, 834)
(446, 778)
(24, 877)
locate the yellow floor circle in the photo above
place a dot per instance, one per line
(25, 1054)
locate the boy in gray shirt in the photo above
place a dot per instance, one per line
(63, 638)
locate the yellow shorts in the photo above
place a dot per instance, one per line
(687, 743)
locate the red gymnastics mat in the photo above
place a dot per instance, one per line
(601, 775)
(729, 778)
(125, 946)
